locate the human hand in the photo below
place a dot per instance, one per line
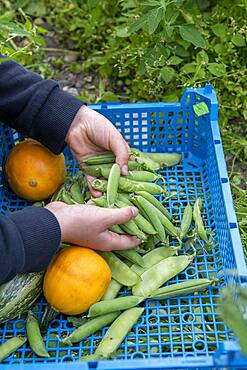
(88, 225)
(91, 133)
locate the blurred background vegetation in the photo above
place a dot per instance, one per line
(132, 50)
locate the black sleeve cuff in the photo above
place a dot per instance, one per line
(41, 236)
(54, 119)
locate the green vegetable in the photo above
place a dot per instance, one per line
(18, 294)
(89, 327)
(120, 271)
(10, 346)
(34, 336)
(113, 305)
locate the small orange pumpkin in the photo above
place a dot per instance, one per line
(33, 171)
(76, 278)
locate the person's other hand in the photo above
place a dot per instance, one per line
(88, 225)
(91, 133)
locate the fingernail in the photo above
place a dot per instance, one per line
(125, 170)
(134, 211)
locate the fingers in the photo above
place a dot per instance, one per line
(113, 216)
(95, 193)
(111, 241)
(121, 150)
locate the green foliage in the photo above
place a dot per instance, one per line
(18, 26)
(233, 305)
(155, 47)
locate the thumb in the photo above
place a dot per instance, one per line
(114, 216)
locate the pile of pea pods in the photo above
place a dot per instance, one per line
(142, 271)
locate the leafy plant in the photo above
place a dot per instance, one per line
(233, 305)
(19, 38)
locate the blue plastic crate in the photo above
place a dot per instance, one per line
(180, 333)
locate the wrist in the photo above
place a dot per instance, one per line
(74, 129)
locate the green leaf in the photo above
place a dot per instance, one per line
(122, 32)
(154, 17)
(36, 8)
(171, 97)
(238, 40)
(189, 68)
(245, 113)
(202, 57)
(233, 315)
(109, 96)
(151, 3)
(217, 69)
(171, 15)
(174, 60)
(220, 30)
(190, 33)
(13, 29)
(28, 25)
(200, 109)
(181, 51)
(164, 51)
(167, 74)
(92, 3)
(138, 24)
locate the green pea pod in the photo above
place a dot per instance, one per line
(112, 185)
(153, 257)
(169, 227)
(66, 198)
(129, 186)
(149, 244)
(10, 346)
(93, 170)
(141, 222)
(75, 192)
(132, 256)
(76, 321)
(125, 198)
(167, 159)
(186, 221)
(90, 327)
(147, 163)
(116, 333)
(133, 165)
(100, 202)
(155, 203)
(103, 158)
(38, 204)
(131, 228)
(113, 305)
(120, 271)
(199, 224)
(112, 290)
(117, 229)
(159, 274)
(150, 212)
(100, 185)
(144, 176)
(181, 289)
(34, 336)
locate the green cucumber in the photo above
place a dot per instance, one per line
(18, 294)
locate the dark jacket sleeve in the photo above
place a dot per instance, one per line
(35, 107)
(39, 109)
(28, 240)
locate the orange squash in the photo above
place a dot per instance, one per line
(33, 171)
(76, 278)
